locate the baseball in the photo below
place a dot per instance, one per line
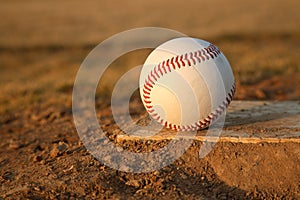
(186, 84)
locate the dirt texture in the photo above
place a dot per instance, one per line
(39, 162)
(42, 46)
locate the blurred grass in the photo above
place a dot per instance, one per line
(261, 56)
(43, 43)
(37, 76)
(34, 22)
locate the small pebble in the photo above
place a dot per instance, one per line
(134, 183)
(37, 158)
(58, 149)
(183, 176)
(14, 144)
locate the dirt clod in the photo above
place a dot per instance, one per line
(37, 158)
(58, 149)
(15, 144)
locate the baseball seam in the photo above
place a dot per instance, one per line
(176, 62)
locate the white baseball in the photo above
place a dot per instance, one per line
(186, 84)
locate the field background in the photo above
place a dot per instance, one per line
(42, 44)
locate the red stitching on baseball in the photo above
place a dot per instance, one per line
(150, 80)
(157, 118)
(187, 59)
(146, 92)
(147, 101)
(147, 86)
(166, 124)
(154, 114)
(146, 96)
(168, 65)
(172, 63)
(205, 54)
(155, 72)
(151, 110)
(163, 66)
(210, 52)
(213, 52)
(152, 75)
(201, 56)
(159, 69)
(218, 112)
(192, 58)
(183, 64)
(196, 56)
(207, 120)
(222, 108)
(177, 62)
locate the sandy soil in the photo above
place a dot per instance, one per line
(38, 161)
(42, 45)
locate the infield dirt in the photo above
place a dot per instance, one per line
(42, 45)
